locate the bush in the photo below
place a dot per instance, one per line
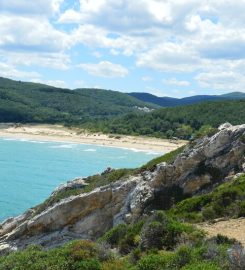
(242, 209)
(161, 231)
(183, 256)
(82, 250)
(125, 237)
(156, 262)
(114, 235)
(202, 266)
(117, 264)
(220, 239)
(92, 264)
(227, 200)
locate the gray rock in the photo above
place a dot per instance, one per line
(87, 216)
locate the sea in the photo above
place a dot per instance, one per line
(30, 170)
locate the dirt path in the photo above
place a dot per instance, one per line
(232, 228)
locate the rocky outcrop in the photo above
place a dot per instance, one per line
(202, 165)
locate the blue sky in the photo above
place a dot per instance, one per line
(166, 47)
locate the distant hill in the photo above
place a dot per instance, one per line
(33, 102)
(171, 102)
(180, 121)
(234, 95)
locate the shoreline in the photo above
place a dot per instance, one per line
(58, 133)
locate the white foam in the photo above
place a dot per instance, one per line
(63, 146)
(37, 142)
(153, 153)
(90, 150)
(9, 139)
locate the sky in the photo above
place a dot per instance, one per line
(165, 47)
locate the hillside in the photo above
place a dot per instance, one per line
(133, 219)
(182, 121)
(31, 102)
(172, 102)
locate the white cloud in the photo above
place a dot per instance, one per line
(105, 69)
(12, 72)
(57, 61)
(206, 37)
(223, 80)
(32, 41)
(175, 82)
(70, 16)
(27, 7)
(146, 79)
(97, 54)
(29, 34)
(170, 57)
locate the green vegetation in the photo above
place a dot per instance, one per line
(227, 200)
(158, 242)
(37, 103)
(112, 112)
(182, 122)
(168, 158)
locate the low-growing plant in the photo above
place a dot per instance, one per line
(227, 200)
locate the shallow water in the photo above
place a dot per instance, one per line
(30, 170)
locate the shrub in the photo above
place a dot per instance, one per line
(114, 235)
(92, 264)
(202, 266)
(117, 264)
(220, 239)
(183, 256)
(227, 200)
(161, 231)
(209, 213)
(82, 250)
(242, 209)
(156, 262)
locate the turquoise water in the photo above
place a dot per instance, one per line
(30, 170)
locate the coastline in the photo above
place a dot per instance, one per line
(58, 133)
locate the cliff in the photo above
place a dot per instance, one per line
(203, 164)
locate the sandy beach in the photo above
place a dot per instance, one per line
(59, 133)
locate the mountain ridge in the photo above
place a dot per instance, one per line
(31, 102)
(172, 102)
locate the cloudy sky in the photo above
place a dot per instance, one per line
(165, 47)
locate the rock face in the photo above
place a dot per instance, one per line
(201, 166)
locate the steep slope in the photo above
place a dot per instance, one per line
(127, 197)
(31, 102)
(172, 102)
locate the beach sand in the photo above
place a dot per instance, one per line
(59, 133)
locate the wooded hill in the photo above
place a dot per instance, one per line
(113, 112)
(181, 121)
(32, 102)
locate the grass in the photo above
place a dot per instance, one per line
(168, 158)
(227, 200)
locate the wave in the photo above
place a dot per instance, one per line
(153, 153)
(63, 146)
(90, 150)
